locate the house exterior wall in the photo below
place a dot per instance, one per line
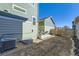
(76, 26)
(35, 27)
(6, 6)
(27, 26)
(32, 29)
(25, 6)
(49, 24)
(10, 26)
(77, 30)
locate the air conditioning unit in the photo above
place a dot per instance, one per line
(7, 44)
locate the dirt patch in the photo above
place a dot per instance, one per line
(56, 46)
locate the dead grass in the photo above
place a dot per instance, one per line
(56, 46)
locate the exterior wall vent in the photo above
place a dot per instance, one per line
(18, 8)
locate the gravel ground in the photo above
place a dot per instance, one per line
(57, 46)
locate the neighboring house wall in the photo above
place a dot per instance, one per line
(76, 28)
(46, 24)
(49, 24)
(77, 31)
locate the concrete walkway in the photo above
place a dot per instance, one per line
(43, 37)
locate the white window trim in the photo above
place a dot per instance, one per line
(18, 10)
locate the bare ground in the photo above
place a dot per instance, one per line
(56, 46)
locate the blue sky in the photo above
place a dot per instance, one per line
(63, 13)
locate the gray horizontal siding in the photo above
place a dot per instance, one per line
(11, 27)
